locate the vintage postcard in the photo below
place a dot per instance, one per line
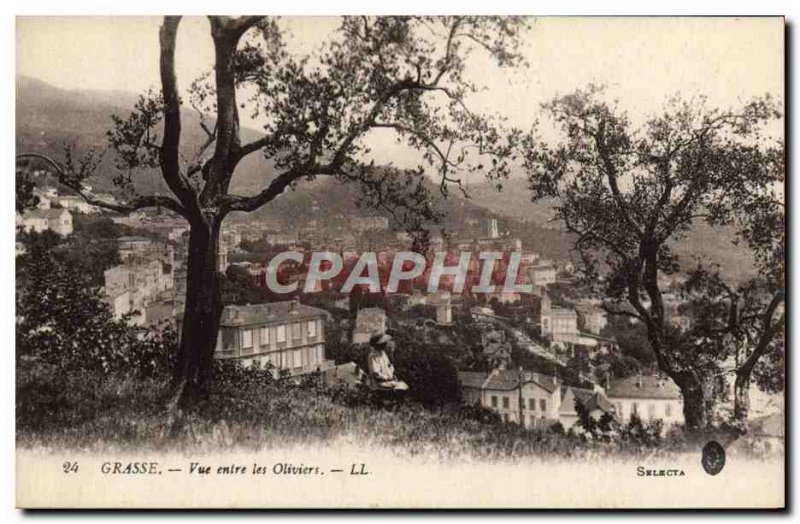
(400, 262)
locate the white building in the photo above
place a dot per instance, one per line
(369, 321)
(373, 223)
(543, 274)
(594, 318)
(136, 285)
(558, 324)
(444, 307)
(57, 220)
(490, 229)
(594, 402)
(76, 204)
(281, 239)
(133, 246)
(517, 396)
(46, 196)
(649, 397)
(288, 335)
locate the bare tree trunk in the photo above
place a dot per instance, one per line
(741, 398)
(741, 386)
(201, 314)
(696, 400)
(695, 405)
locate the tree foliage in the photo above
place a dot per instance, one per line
(629, 192)
(63, 322)
(403, 75)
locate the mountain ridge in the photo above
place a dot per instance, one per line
(48, 117)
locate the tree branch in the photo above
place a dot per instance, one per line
(620, 312)
(767, 334)
(170, 144)
(137, 203)
(251, 203)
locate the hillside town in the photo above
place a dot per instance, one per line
(542, 351)
(401, 261)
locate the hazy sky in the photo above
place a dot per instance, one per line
(641, 60)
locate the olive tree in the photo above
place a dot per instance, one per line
(402, 75)
(628, 193)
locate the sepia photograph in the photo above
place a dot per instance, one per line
(400, 262)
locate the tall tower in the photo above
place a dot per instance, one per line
(490, 228)
(545, 319)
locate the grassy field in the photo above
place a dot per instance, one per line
(247, 412)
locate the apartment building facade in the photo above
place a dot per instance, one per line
(522, 397)
(288, 335)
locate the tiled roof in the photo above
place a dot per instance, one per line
(591, 400)
(472, 379)
(267, 313)
(649, 386)
(581, 394)
(598, 401)
(504, 380)
(46, 213)
(124, 239)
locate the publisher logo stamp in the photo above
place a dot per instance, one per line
(713, 457)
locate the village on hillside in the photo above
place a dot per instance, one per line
(456, 261)
(530, 358)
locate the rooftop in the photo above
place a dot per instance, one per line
(270, 312)
(590, 399)
(505, 380)
(46, 213)
(648, 386)
(563, 312)
(132, 239)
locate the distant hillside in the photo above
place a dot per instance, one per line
(49, 117)
(514, 201)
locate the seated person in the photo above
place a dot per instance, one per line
(380, 371)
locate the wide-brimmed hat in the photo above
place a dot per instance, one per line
(379, 339)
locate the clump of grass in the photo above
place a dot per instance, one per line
(247, 409)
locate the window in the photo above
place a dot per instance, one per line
(280, 334)
(247, 338)
(264, 335)
(505, 402)
(651, 411)
(543, 404)
(668, 410)
(636, 408)
(494, 401)
(298, 358)
(532, 404)
(320, 354)
(312, 328)
(297, 332)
